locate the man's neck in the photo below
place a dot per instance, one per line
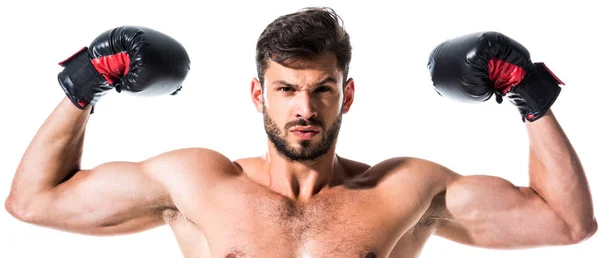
(300, 180)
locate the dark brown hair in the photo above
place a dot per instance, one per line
(301, 35)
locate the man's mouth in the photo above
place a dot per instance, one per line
(305, 128)
(305, 134)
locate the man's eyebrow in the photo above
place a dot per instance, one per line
(327, 80)
(287, 84)
(295, 86)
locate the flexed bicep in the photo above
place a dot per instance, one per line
(488, 211)
(113, 198)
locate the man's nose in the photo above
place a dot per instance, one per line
(305, 105)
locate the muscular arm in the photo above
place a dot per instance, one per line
(50, 189)
(555, 209)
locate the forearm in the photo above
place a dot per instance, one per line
(54, 152)
(557, 175)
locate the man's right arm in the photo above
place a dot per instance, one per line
(49, 188)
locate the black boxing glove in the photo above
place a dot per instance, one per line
(476, 66)
(137, 60)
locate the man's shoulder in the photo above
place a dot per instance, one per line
(413, 165)
(405, 169)
(194, 160)
(403, 164)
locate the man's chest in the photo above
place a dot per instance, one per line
(352, 224)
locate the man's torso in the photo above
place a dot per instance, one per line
(240, 218)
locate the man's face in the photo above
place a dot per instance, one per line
(302, 105)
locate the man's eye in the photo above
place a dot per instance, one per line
(284, 89)
(323, 89)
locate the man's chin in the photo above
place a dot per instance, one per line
(304, 156)
(304, 145)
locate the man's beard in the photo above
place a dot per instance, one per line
(306, 151)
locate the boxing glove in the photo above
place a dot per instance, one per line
(477, 66)
(137, 60)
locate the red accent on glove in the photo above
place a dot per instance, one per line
(505, 75)
(82, 102)
(112, 67)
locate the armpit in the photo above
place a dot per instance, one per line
(436, 215)
(174, 217)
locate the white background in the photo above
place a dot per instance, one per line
(396, 112)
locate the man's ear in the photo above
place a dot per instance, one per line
(348, 95)
(256, 92)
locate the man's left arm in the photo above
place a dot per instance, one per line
(556, 208)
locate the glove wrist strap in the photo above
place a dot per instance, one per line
(536, 93)
(80, 81)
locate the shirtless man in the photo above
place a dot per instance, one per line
(301, 199)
